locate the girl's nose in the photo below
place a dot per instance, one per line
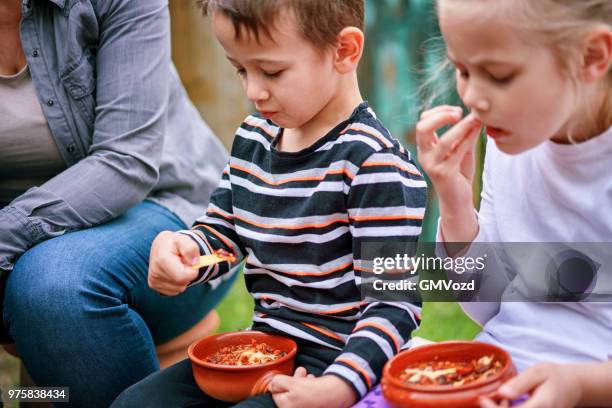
(475, 100)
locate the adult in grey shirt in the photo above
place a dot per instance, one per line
(100, 150)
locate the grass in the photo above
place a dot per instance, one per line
(440, 320)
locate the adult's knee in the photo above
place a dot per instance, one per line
(50, 284)
(33, 289)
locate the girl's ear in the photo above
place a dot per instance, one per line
(597, 55)
(348, 49)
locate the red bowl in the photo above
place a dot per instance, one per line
(400, 394)
(236, 383)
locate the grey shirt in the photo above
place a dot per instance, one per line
(119, 116)
(28, 154)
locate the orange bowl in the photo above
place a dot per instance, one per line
(236, 383)
(401, 394)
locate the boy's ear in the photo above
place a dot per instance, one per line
(597, 55)
(348, 49)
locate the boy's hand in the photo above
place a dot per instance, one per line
(307, 391)
(172, 255)
(550, 385)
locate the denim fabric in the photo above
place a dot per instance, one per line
(119, 115)
(79, 309)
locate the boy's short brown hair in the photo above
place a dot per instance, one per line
(319, 21)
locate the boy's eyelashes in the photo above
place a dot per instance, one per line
(241, 72)
(274, 74)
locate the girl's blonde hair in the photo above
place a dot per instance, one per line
(558, 24)
(562, 26)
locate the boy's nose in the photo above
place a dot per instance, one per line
(256, 91)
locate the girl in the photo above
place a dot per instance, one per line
(537, 75)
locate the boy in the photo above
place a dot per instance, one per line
(312, 176)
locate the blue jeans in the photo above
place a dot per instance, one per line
(81, 313)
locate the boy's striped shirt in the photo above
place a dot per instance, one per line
(300, 219)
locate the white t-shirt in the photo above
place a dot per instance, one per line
(552, 193)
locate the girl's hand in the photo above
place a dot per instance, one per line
(550, 386)
(170, 270)
(449, 163)
(448, 160)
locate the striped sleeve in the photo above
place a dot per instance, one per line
(386, 203)
(216, 230)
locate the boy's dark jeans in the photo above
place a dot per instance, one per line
(176, 387)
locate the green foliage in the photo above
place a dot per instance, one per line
(236, 309)
(445, 321)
